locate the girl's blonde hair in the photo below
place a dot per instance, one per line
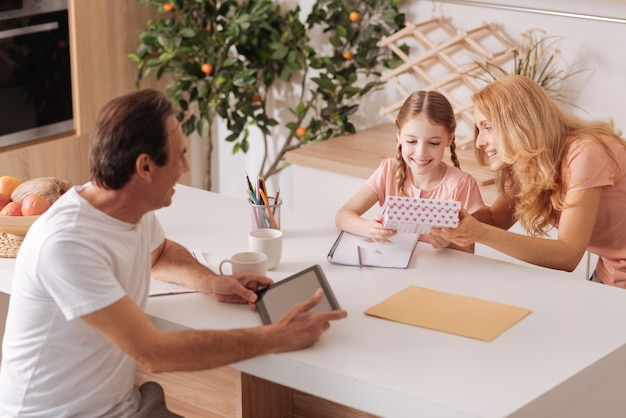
(532, 135)
(438, 110)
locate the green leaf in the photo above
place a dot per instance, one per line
(166, 56)
(232, 137)
(189, 125)
(341, 31)
(203, 88)
(187, 33)
(245, 145)
(134, 58)
(280, 53)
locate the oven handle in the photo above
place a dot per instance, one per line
(27, 30)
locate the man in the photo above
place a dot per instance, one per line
(76, 324)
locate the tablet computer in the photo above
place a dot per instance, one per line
(278, 298)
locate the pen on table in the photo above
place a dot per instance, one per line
(358, 250)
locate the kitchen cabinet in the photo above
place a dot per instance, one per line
(102, 33)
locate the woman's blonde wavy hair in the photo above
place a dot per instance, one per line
(532, 135)
(438, 110)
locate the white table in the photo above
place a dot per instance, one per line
(567, 358)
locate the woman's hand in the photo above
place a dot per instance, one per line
(467, 233)
(438, 242)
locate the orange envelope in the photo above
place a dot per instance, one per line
(447, 312)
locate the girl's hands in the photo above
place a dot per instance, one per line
(376, 232)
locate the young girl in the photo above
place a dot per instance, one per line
(425, 127)
(554, 170)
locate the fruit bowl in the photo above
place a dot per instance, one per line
(16, 227)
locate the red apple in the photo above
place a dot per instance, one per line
(4, 199)
(11, 209)
(34, 204)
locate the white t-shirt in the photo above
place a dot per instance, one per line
(74, 261)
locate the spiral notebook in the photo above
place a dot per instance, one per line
(355, 250)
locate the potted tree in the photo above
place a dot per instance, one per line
(229, 58)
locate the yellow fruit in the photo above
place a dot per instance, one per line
(8, 184)
(354, 16)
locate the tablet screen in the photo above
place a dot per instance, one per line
(278, 298)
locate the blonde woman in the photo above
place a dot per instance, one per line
(554, 170)
(425, 127)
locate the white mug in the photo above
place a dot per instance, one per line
(269, 242)
(253, 262)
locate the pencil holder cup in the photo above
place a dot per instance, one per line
(266, 216)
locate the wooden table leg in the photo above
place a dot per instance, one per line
(262, 398)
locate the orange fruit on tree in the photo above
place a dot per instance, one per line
(8, 184)
(354, 16)
(256, 99)
(207, 69)
(300, 132)
(348, 55)
(168, 7)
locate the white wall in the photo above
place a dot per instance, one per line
(595, 45)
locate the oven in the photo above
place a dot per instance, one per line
(35, 72)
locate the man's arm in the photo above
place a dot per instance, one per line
(171, 262)
(130, 329)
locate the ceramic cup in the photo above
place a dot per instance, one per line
(250, 261)
(269, 242)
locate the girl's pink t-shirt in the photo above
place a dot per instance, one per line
(587, 165)
(455, 185)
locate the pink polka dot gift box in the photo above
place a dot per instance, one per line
(410, 214)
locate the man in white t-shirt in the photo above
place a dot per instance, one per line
(76, 324)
